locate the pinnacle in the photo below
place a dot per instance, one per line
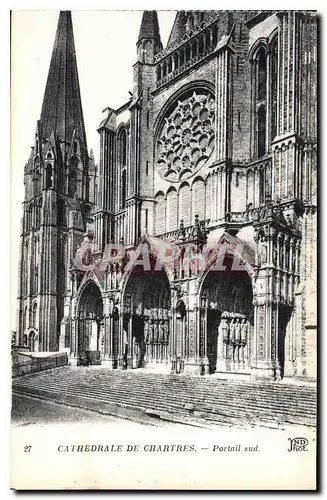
(149, 26)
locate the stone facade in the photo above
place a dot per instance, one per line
(216, 149)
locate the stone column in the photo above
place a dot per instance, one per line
(120, 357)
(130, 353)
(74, 341)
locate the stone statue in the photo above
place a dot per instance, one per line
(151, 331)
(146, 332)
(223, 330)
(237, 331)
(244, 330)
(161, 336)
(155, 332)
(232, 331)
(166, 332)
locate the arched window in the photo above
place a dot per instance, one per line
(265, 94)
(122, 147)
(34, 312)
(185, 204)
(172, 209)
(160, 213)
(261, 129)
(260, 104)
(274, 85)
(262, 74)
(49, 176)
(123, 189)
(159, 72)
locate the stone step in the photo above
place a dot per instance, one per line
(207, 404)
(70, 397)
(225, 402)
(263, 394)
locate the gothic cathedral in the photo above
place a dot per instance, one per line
(216, 148)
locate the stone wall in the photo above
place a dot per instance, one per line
(25, 364)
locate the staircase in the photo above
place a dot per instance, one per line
(203, 402)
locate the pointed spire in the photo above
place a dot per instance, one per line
(149, 26)
(62, 107)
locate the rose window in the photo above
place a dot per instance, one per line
(186, 140)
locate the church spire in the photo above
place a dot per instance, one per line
(62, 107)
(150, 26)
(149, 42)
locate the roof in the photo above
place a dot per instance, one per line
(149, 26)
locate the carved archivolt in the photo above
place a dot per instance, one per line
(187, 137)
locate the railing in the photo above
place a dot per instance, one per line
(211, 17)
(195, 45)
(187, 232)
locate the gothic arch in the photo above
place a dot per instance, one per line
(171, 209)
(89, 316)
(257, 45)
(199, 199)
(153, 255)
(184, 203)
(34, 315)
(225, 298)
(211, 257)
(146, 306)
(84, 284)
(122, 144)
(160, 212)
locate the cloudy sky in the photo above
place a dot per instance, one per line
(105, 43)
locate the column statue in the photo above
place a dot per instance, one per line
(166, 332)
(244, 331)
(146, 332)
(237, 339)
(232, 338)
(161, 336)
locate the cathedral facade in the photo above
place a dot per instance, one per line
(191, 247)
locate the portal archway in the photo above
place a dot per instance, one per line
(90, 315)
(146, 318)
(226, 318)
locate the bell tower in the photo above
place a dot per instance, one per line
(55, 176)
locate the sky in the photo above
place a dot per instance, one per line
(105, 43)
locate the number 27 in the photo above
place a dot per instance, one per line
(27, 448)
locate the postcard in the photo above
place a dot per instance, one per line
(164, 241)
